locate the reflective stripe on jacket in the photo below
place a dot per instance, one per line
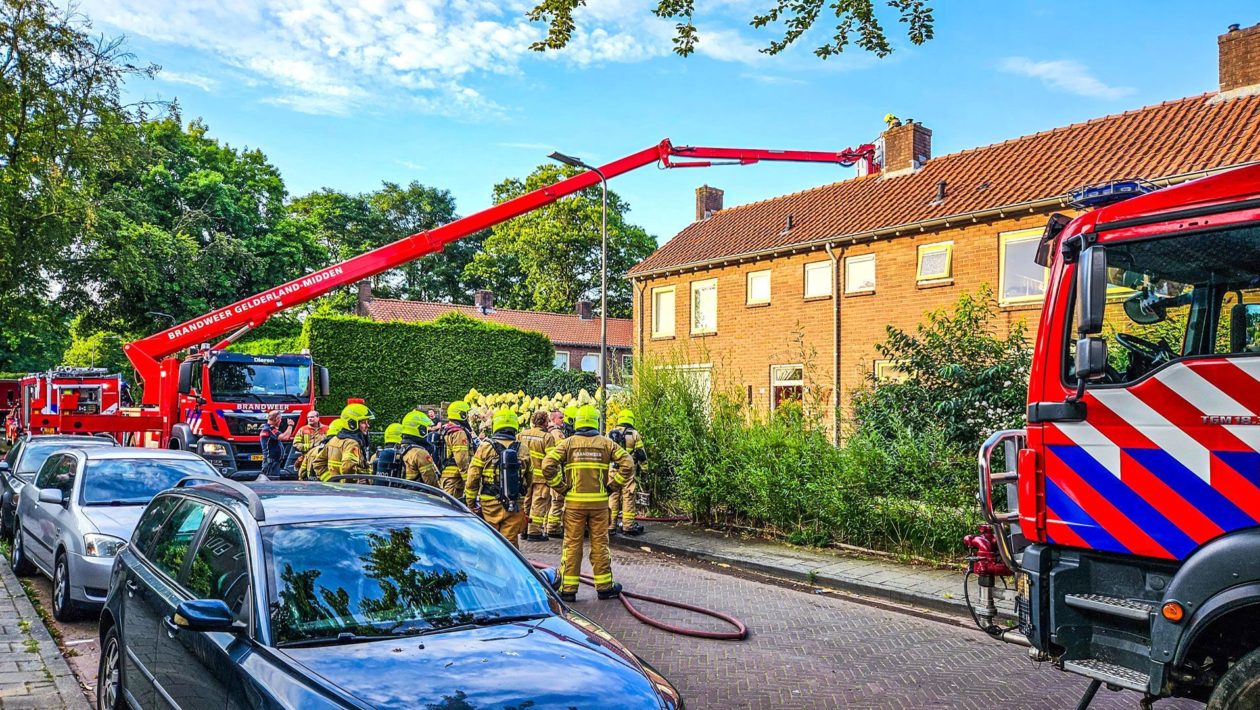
(580, 467)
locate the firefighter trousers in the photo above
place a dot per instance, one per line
(509, 525)
(576, 523)
(452, 482)
(539, 507)
(623, 501)
(555, 516)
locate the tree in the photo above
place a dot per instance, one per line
(548, 259)
(796, 18)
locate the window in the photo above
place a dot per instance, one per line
(170, 546)
(704, 306)
(936, 262)
(758, 287)
(590, 362)
(889, 371)
(136, 481)
(220, 569)
(818, 279)
(787, 384)
(151, 522)
(1023, 281)
(859, 274)
(57, 472)
(627, 364)
(663, 312)
(561, 360)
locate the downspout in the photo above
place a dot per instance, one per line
(635, 285)
(836, 290)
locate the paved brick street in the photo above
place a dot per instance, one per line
(819, 651)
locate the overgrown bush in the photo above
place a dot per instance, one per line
(549, 381)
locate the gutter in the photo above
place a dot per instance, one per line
(956, 220)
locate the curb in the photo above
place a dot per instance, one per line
(953, 607)
(72, 694)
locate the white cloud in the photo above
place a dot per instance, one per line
(204, 83)
(341, 56)
(772, 79)
(1065, 75)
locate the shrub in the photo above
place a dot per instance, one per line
(549, 381)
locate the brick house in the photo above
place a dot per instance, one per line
(575, 336)
(793, 293)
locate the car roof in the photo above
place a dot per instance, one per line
(139, 452)
(73, 439)
(286, 503)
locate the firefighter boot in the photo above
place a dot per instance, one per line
(611, 593)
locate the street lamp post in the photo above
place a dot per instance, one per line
(603, 282)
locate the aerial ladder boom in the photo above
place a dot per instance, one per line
(232, 321)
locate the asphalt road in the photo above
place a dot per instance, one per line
(807, 649)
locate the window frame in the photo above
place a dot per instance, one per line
(860, 259)
(880, 377)
(694, 286)
(1004, 239)
(582, 364)
(177, 582)
(748, 279)
(775, 383)
(924, 249)
(567, 358)
(657, 332)
(831, 278)
(199, 539)
(627, 363)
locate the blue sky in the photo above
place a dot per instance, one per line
(347, 94)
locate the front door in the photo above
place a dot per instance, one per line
(45, 520)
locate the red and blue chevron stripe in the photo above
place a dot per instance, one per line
(1161, 467)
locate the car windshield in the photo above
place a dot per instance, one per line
(37, 451)
(256, 382)
(380, 578)
(136, 481)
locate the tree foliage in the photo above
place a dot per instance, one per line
(548, 259)
(856, 22)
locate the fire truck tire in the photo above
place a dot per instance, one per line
(1239, 688)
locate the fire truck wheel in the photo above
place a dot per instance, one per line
(1239, 688)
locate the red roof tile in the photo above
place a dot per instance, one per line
(1171, 139)
(560, 328)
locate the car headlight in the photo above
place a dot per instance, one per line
(211, 448)
(96, 545)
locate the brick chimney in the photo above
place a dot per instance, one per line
(584, 310)
(708, 202)
(365, 296)
(907, 146)
(1239, 54)
(483, 299)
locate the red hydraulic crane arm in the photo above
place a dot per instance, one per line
(251, 312)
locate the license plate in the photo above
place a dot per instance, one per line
(255, 457)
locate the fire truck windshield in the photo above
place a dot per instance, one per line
(259, 382)
(1179, 296)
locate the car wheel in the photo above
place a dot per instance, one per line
(1239, 688)
(18, 561)
(64, 606)
(109, 674)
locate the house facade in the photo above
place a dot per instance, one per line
(791, 295)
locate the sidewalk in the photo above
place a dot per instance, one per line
(883, 579)
(33, 673)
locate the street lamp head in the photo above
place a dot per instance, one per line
(569, 160)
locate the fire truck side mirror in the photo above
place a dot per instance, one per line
(185, 377)
(323, 381)
(1091, 359)
(1091, 291)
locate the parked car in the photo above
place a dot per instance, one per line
(23, 461)
(318, 595)
(81, 508)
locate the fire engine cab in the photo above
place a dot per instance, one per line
(1128, 510)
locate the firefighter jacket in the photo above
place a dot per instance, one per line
(417, 462)
(316, 462)
(580, 467)
(345, 454)
(307, 437)
(457, 441)
(634, 447)
(483, 471)
(539, 443)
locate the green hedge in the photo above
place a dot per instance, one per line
(394, 366)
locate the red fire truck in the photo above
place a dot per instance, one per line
(213, 402)
(1128, 511)
(44, 398)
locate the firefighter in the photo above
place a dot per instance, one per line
(272, 449)
(417, 462)
(628, 438)
(493, 485)
(455, 441)
(539, 441)
(386, 462)
(305, 439)
(585, 467)
(557, 429)
(345, 451)
(570, 413)
(315, 464)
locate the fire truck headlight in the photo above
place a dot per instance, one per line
(211, 448)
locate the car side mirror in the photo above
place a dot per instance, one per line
(323, 381)
(552, 576)
(4, 466)
(1091, 359)
(185, 378)
(1091, 291)
(204, 615)
(52, 495)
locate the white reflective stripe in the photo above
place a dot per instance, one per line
(1201, 394)
(1248, 365)
(1159, 430)
(1250, 435)
(1092, 441)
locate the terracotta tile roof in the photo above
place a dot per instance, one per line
(1162, 141)
(560, 328)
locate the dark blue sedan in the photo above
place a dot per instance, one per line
(286, 595)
